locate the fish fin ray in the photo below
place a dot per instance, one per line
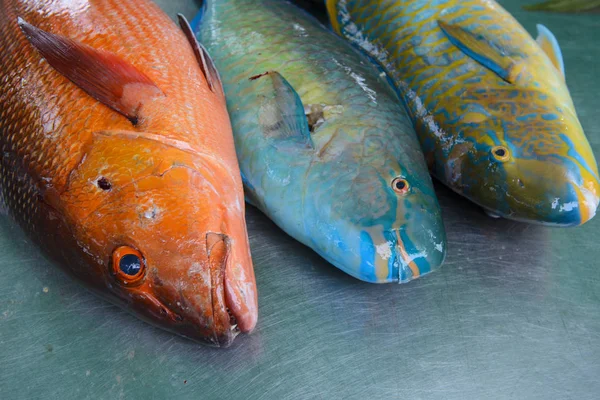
(206, 63)
(481, 50)
(549, 44)
(103, 75)
(281, 112)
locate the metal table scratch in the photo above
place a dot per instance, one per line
(513, 314)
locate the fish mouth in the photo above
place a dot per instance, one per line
(225, 320)
(568, 209)
(588, 203)
(416, 255)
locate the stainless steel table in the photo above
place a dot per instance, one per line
(513, 314)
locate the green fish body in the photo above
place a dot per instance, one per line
(325, 149)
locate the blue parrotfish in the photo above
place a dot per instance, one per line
(325, 148)
(490, 104)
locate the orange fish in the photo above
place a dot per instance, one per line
(117, 158)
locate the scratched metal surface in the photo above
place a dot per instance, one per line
(514, 313)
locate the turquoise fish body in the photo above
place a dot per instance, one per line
(490, 104)
(325, 149)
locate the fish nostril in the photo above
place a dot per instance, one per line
(520, 183)
(104, 184)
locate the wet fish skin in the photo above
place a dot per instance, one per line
(474, 80)
(158, 191)
(330, 185)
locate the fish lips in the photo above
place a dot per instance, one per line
(194, 305)
(224, 327)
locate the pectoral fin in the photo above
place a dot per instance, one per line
(549, 44)
(481, 50)
(103, 75)
(281, 113)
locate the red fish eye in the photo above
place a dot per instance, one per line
(400, 185)
(128, 265)
(500, 153)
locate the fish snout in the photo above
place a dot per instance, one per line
(574, 204)
(229, 316)
(549, 193)
(587, 199)
(414, 253)
(196, 297)
(225, 325)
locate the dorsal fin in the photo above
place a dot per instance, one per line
(481, 50)
(103, 75)
(280, 110)
(549, 44)
(206, 63)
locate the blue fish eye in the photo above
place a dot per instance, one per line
(130, 264)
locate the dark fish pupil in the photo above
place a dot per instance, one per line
(400, 185)
(104, 184)
(500, 152)
(130, 264)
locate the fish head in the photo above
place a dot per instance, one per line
(161, 231)
(377, 218)
(526, 160)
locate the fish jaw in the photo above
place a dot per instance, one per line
(401, 255)
(183, 214)
(589, 199)
(240, 285)
(399, 251)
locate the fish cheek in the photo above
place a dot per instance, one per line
(454, 169)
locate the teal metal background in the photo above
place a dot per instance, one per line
(513, 314)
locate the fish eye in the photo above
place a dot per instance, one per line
(128, 265)
(400, 185)
(500, 153)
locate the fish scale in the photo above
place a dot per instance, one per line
(329, 184)
(475, 81)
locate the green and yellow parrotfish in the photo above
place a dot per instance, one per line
(490, 104)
